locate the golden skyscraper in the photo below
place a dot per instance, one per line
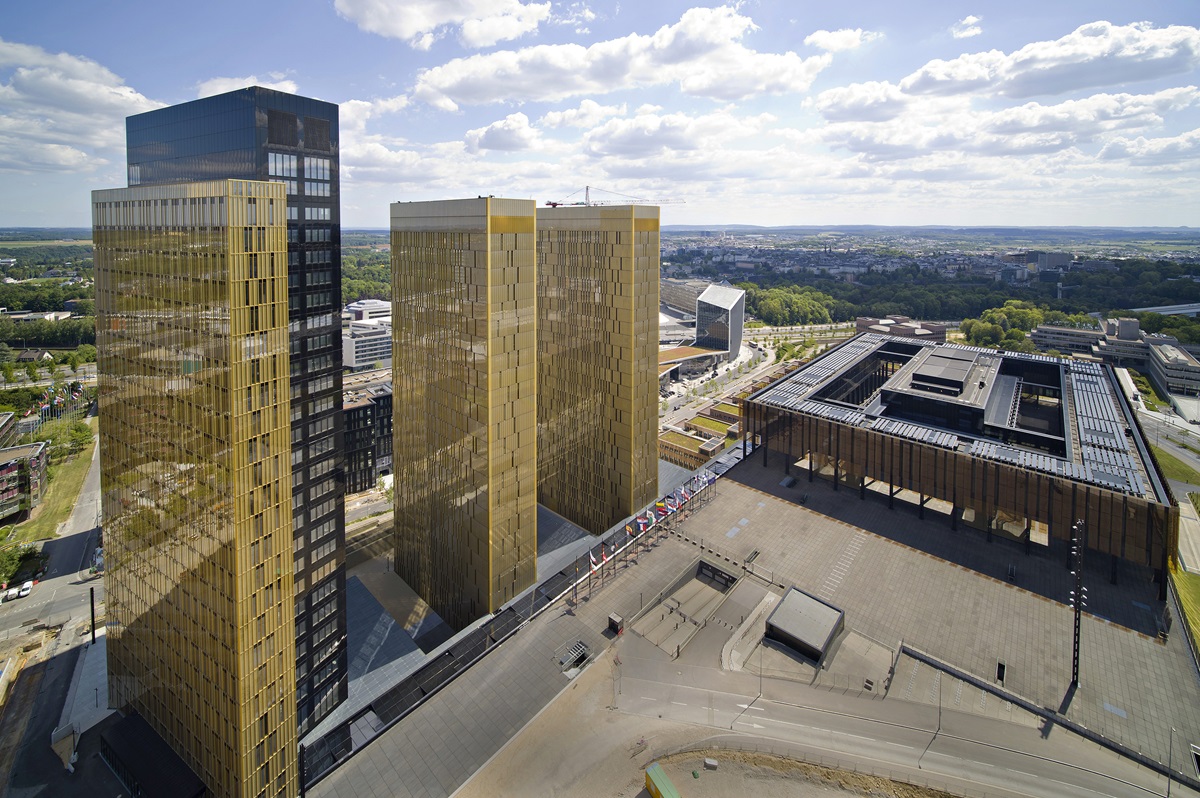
(195, 456)
(597, 361)
(465, 402)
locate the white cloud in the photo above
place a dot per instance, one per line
(354, 114)
(480, 23)
(511, 134)
(871, 101)
(1094, 55)
(966, 27)
(61, 112)
(214, 86)
(1092, 116)
(1172, 150)
(654, 134)
(578, 16)
(588, 114)
(702, 54)
(951, 126)
(838, 40)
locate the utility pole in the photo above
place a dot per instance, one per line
(1079, 594)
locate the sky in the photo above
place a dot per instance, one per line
(775, 112)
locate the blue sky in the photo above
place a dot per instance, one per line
(960, 113)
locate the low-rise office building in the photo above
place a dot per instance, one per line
(367, 310)
(368, 435)
(367, 345)
(22, 478)
(1015, 444)
(901, 326)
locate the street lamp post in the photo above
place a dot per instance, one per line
(1170, 745)
(1079, 594)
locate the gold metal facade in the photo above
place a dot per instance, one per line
(195, 454)
(597, 361)
(464, 380)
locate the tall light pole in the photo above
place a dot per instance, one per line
(1170, 745)
(1079, 594)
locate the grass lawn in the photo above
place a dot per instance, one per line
(1174, 468)
(56, 242)
(1187, 588)
(60, 496)
(711, 424)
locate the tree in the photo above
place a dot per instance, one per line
(79, 436)
(31, 370)
(73, 362)
(10, 372)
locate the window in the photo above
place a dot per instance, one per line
(318, 214)
(281, 165)
(316, 133)
(316, 168)
(320, 447)
(282, 128)
(315, 189)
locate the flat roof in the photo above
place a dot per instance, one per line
(806, 618)
(724, 296)
(1099, 443)
(678, 354)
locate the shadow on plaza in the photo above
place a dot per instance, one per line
(30, 714)
(1043, 570)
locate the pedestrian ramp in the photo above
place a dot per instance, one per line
(685, 608)
(921, 683)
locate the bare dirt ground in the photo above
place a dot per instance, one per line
(580, 747)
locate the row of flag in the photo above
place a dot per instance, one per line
(56, 397)
(667, 505)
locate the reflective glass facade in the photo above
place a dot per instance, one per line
(720, 311)
(261, 134)
(597, 361)
(464, 380)
(195, 456)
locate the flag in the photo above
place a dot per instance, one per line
(684, 493)
(595, 564)
(604, 553)
(629, 530)
(642, 523)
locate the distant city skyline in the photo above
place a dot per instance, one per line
(1012, 114)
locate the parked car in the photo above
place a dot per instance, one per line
(12, 594)
(26, 589)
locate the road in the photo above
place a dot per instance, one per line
(63, 591)
(61, 598)
(889, 736)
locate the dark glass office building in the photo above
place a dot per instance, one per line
(262, 134)
(720, 311)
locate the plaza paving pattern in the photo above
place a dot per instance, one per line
(946, 592)
(896, 576)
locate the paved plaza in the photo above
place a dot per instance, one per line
(437, 747)
(897, 577)
(946, 592)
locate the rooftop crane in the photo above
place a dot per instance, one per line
(626, 200)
